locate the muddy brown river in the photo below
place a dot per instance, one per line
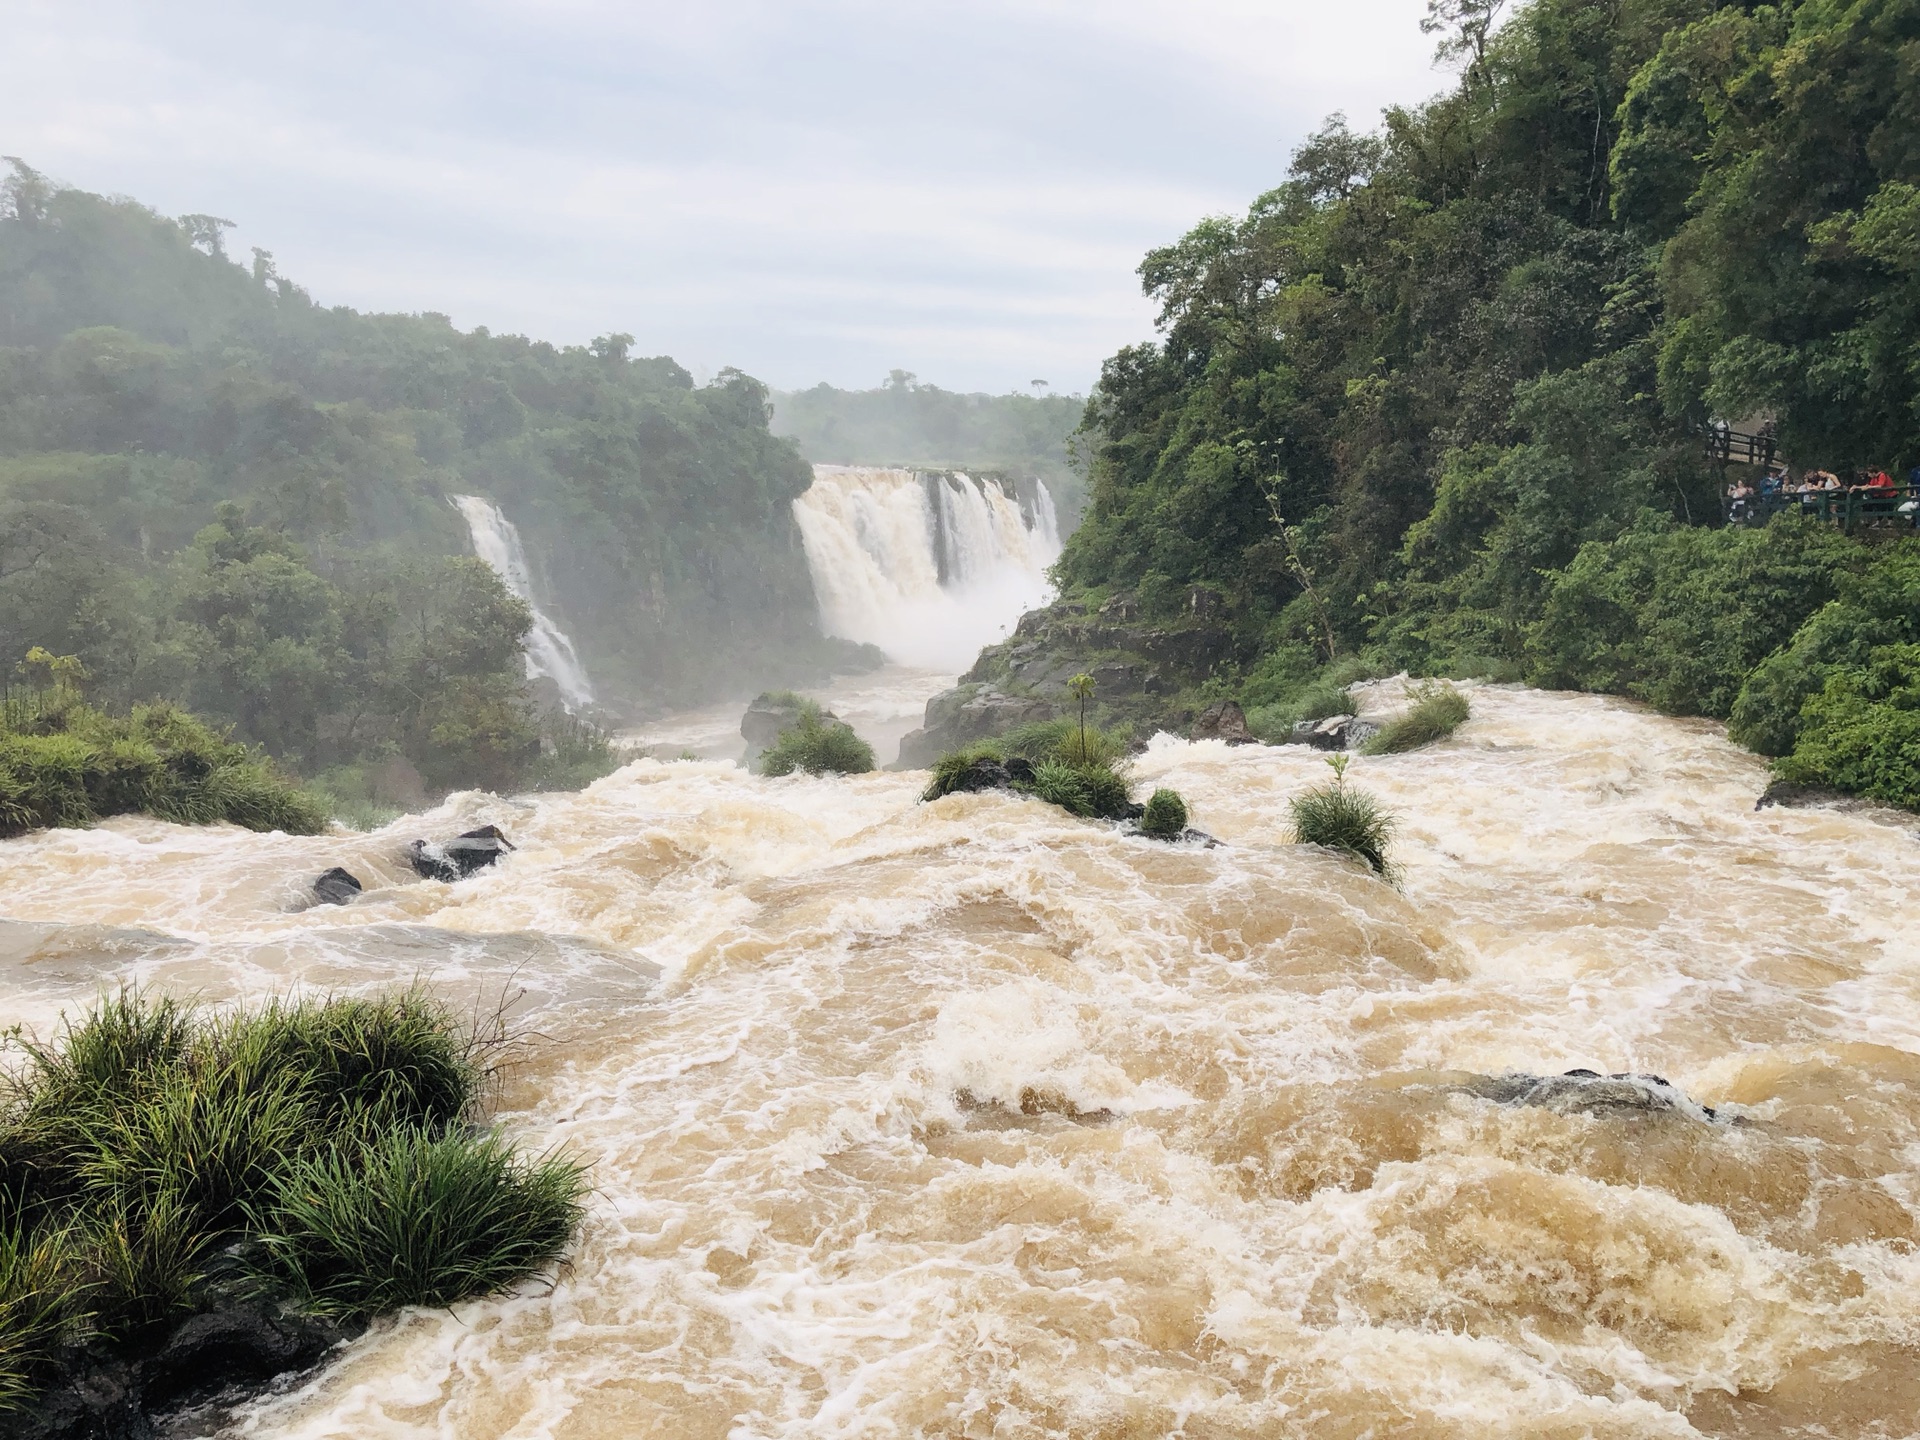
(970, 1119)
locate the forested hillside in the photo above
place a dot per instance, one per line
(906, 422)
(215, 490)
(1468, 359)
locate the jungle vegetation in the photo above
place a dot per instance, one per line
(217, 492)
(1436, 400)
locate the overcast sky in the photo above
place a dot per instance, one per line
(807, 189)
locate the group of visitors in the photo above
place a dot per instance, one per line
(1812, 485)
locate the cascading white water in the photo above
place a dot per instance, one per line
(550, 652)
(929, 567)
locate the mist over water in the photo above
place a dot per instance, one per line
(550, 652)
(970, 1119)
(928, 566)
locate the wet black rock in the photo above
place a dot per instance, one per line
(1336, 732)
(1588, 1092)
(1788, 794)
(993, 775)
(336, 887)
(130, 1391)
(1224, 720)
(459, 857)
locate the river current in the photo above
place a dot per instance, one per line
(969, 1119)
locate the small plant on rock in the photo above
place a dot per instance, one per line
(1165, 817)
(1341, 818)
(818, 746)
(1435, 712)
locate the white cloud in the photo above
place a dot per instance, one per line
(810, 189)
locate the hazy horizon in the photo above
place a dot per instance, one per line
(822, 191)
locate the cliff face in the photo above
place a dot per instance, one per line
(1147, 675)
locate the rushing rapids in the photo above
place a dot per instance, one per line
(927, 565)
(970, 1119)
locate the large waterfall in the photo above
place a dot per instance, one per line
(927, 565)
(550, 652)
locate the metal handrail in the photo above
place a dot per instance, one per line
(1896, 508)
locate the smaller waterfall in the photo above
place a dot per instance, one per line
(549, 650)
(928, 565)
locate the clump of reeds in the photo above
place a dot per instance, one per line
(818, 746)
(334, 1146)
(1435, 711)
(1340, 817)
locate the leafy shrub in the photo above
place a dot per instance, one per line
(1875, 609)
(334, 1138)
(415, 1217)
(1437, 710)
(1339, 817)
(71, 765)
(1861, 733)
(574, 752)
(817, 746)
(1165, 817)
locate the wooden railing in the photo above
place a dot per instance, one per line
(1736, 447)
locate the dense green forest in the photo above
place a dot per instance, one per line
(907, 423)
(217, 492)
(1467, 360)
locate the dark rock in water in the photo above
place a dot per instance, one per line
(118, 1392)
(336, 887)
(1336, 732)
(1787, 793)
(460, 857)
(1327, 734)
(967, 713)
(993, 775)
(1224, 720)
(1587, 1092)
(1361, 731)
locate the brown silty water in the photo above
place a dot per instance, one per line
(969, 1119)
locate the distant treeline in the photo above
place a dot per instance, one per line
(215, 491)
(909, 424)
(1468, 361)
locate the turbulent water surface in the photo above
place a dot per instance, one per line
(968, 1119)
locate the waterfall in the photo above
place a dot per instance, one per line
(550, 652)
(927, 565)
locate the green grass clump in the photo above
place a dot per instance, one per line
(332, 1146)
(1340, 817)
(949, 769)
(1165, 817)
(1436, 711)
(817, 746)
(66, 763)
(415, 1217)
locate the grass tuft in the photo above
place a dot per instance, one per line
(411, 1217)
(1436, 711)
(150, 1148)
(1340, 817)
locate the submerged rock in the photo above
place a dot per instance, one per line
(1336, 732)
(1588, 1092)
(1224, 720)
(1791, 795)
(129, 1392)
(336, 887)
(459, 857)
